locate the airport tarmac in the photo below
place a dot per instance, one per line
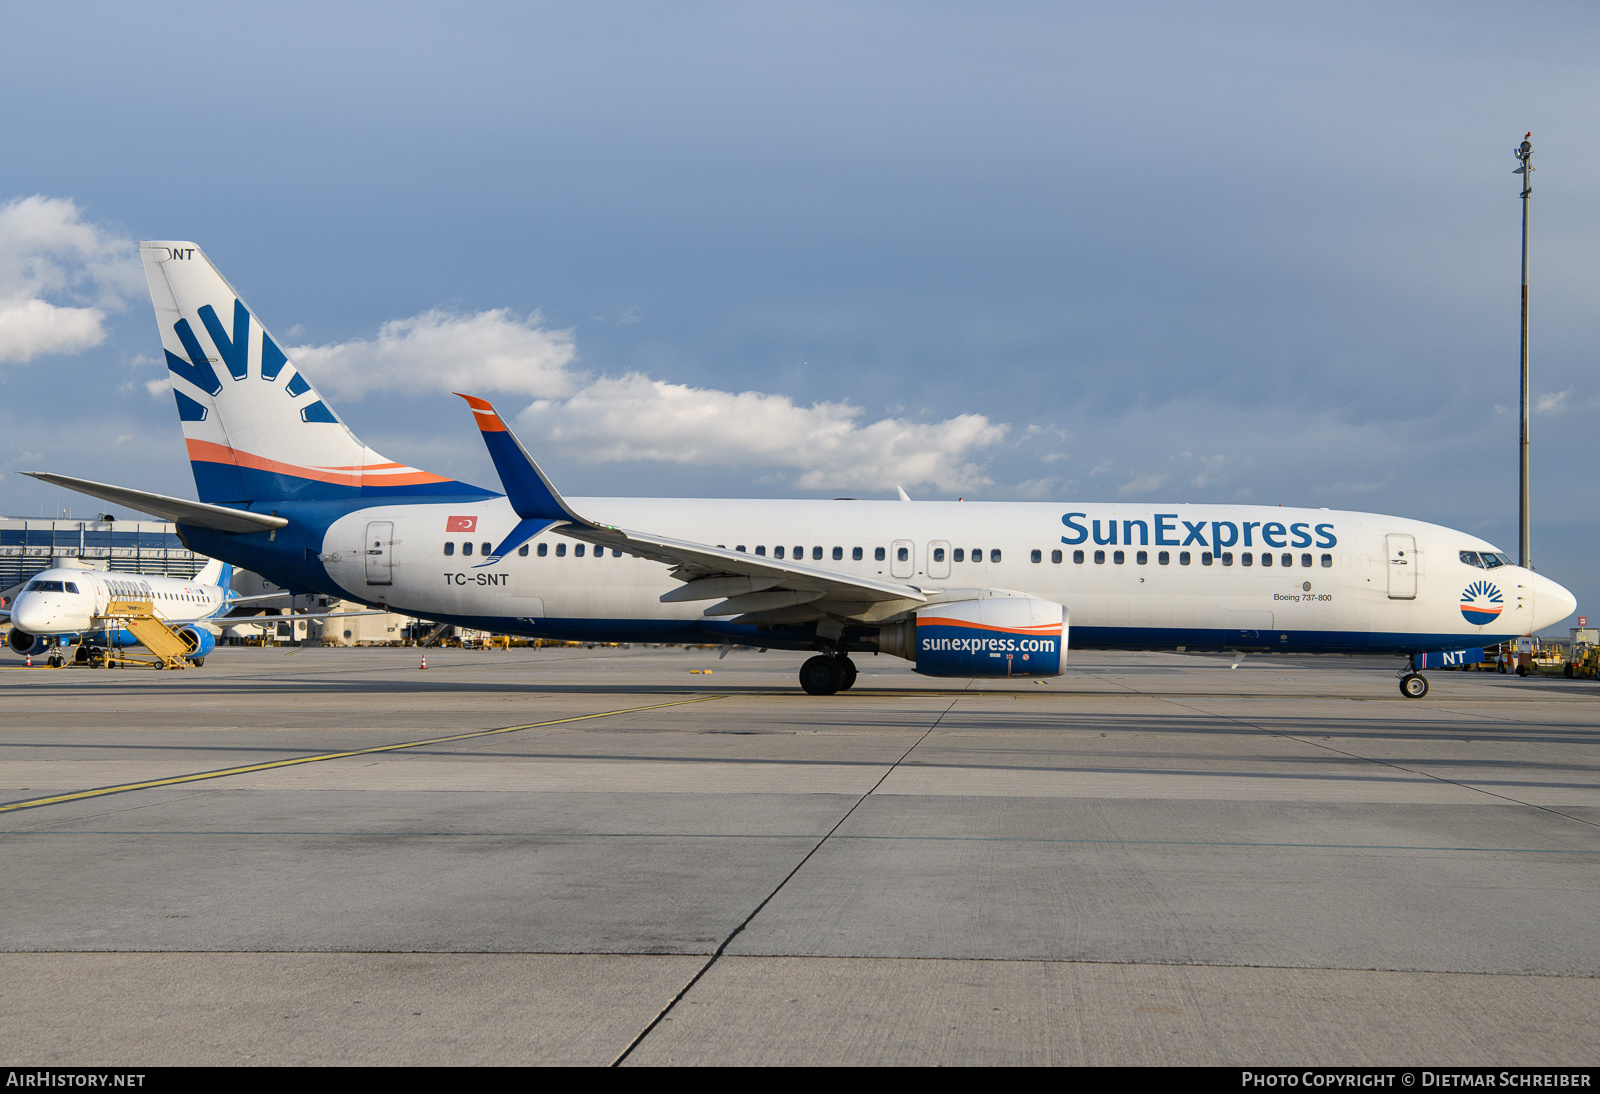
(1153, 859)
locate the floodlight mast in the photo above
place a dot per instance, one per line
(1524, 153)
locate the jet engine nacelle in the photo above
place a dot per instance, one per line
(999, 634)
(21, 642)
(199, 640)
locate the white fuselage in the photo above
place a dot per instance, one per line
(1267, 576)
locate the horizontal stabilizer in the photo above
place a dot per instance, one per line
(198, 514)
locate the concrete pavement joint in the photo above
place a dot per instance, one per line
(673, 1002)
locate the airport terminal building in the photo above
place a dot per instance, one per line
(28, 545)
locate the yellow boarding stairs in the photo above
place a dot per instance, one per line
(138, 617)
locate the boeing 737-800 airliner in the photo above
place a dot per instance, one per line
(960, 589)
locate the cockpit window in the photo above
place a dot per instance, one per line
(71, 586)
(1471, 559)
(45, 587)
(1492, 559)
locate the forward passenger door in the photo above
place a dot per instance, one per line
(1402, 567)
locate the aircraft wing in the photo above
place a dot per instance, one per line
(713, 572)
(197, 513)
(751, 583)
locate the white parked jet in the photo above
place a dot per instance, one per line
(60, 607)
(960, 589)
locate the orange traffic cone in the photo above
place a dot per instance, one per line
(424, 662)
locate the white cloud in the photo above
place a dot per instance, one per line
(496, 350)
(48, 251)
(1552, 402)
(1142, 484)
(632, 417)
(636, 418)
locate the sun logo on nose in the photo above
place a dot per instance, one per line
(1480, 603)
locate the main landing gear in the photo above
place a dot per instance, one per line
(827, 675)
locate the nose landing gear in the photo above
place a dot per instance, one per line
(1413, 685)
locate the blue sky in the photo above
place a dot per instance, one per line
(1145, 252)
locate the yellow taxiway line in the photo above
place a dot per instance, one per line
(199, 776)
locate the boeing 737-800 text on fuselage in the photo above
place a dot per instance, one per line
(961, 589)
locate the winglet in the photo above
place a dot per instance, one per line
(531, 494)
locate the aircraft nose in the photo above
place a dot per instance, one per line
(1551, 602)
(31, 615)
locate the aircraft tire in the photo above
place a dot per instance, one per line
(197, 661)
(847, 674)
(820, 676)
(1413, 685)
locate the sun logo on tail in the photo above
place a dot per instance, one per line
(1480, 603)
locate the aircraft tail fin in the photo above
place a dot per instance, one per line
(255, 427)
(211, 572)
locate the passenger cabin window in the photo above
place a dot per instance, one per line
(994, 556)
(855, 553)
(838, 554)
(761, 550)
(938, 554)
(1077, 557)
(1142, 558)
(1245, 559)
(1118, 557)
(1099, 558)
(959, 554)
(816, 554)
(777, 552)
(523, 550)
(1266, 559)
(1327, 560)
(561, 550)
(1055, 556)
(1164, 558)
(1305, 560)
(449, 549)
(1227, 558)
(544, 549)
(739, 548)
(879, 554)
(1036, 555)
(1205, 558)
(466, 548)
(903, 554)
